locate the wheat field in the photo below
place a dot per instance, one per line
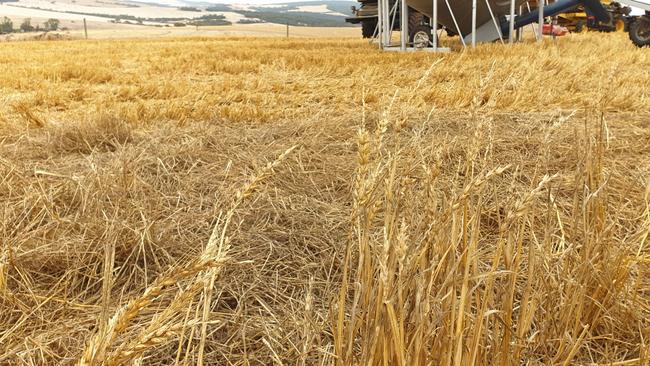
(241, 201)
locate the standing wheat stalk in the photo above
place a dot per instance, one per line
(212, 256)
(221, 246)
(121, 319)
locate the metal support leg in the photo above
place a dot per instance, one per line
(453, 17)
(387, 30)
(494, 20)
(404, 25)
(393, 15)
(473, 23)
(519, 31)
(511, 28)
(533, 27)
(434, 26)
(540, 33)
(380, 23)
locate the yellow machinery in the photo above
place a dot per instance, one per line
(580, 21)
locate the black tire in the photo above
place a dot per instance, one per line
(368, 28)
(420, 36)
(581, 27)
(415, 19)
(640, 32)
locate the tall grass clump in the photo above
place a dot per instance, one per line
(476, 273)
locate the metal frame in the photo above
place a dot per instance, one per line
(495, 22)
(540, 21)
(387, 16)
(511, 26)
(385, 28)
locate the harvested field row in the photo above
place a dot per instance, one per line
(267, 201)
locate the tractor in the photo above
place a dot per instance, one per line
(639, 26)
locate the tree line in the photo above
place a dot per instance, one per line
(7, 25)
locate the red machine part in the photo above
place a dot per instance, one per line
(554, 30)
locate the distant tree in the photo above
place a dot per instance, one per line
(219, 7)
(189, 8)
(26, 26)
(6, 25)
(51, 24)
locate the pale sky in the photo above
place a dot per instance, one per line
(247, 2)
(635, 11)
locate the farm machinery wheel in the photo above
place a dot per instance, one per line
(419, 30)
(415, 19)
(581, 27)
(421, 36)
(368, 28)
(640, 31)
